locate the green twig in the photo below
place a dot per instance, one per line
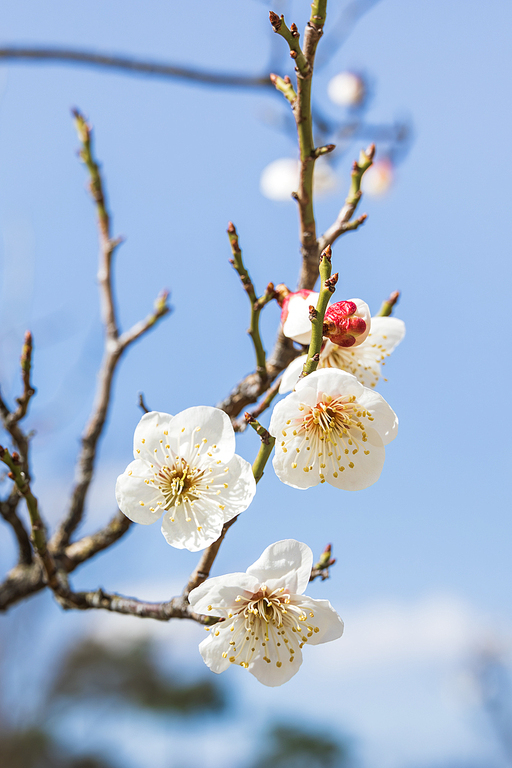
(284, 84)
(292, 38)
(267, 445)
(327, 288)
(343, 222)
(388, 305)
(256, 304)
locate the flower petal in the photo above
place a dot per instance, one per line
(270, 674)
(385, 419)
(324, 619)
(360, 470)
(149, 433)
(332, 381)
(211, 649)
(286, 563)
(204, 430)
(388, 331)
(291, 374)
(297, 325)
(136, 496)
(192, 527)
(216, 596)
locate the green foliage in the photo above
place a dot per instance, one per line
(34, 748)
(93, 671)
(292, 747)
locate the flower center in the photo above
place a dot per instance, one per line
(269, 622)
(178, 483)
(334, 418)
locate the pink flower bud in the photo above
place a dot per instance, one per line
(347, 323)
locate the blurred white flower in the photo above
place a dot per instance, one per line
(186, 467)
(332, 429)
(346, 89)
(281, 177)
(266, 618)
(364, 361)
(378, 178)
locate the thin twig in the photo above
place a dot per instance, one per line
(37, 523)
(9, 514)
(343, 221)
(241, 424)
(133, 66)
(316, 314)
(388, 305)
(115, 345)
(256, 304)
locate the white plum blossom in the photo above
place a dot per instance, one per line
(332, 429)
(186, 468)
(281, 177)
(346, 89)
(364, 361)
(295, 315)
(265, 617)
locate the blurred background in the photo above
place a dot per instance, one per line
(421, 678)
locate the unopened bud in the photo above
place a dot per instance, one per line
(347, 323)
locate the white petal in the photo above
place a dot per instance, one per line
(385, 419)
(297, 325)
(211, 649)
(136, 496)
(220, 592)
(331, 381)
(293, 468)
(366, 468)
(237, 475)
(270, 674)
(191, 526)
(325, 619)
(149, 432)
(291, 374)
(388, 331)
(286, 563)
(206, 427)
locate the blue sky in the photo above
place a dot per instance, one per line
(431, 540)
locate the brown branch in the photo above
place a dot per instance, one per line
(240, 425)
(39, 537)
(115, 345)
(133, 66)
(9, 514)
(88, 546)
(25, 580)
(204, 566)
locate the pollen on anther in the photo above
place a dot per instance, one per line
(351, 464)
(222, 507)
(143, 440)
(141, 503)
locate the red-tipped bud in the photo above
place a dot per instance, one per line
(347, 323)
